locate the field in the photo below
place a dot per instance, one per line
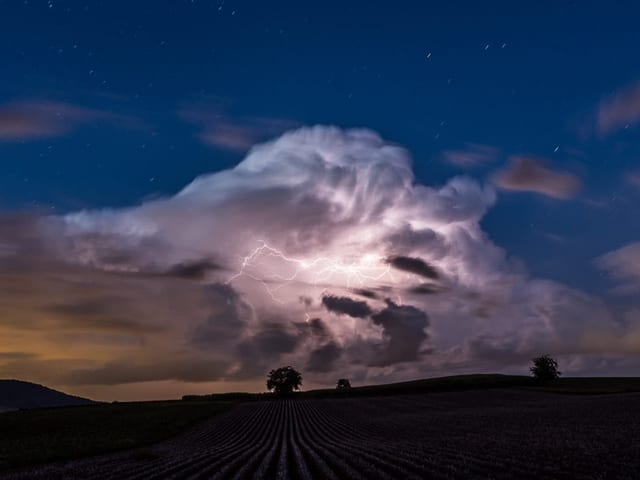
(35, 436)
(491, 433)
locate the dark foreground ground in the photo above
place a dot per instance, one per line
(473, 434)
(42, 435)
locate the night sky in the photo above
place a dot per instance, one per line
(485, 152)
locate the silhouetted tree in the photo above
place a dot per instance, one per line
(343, 383)
(545, 368)
(284, 380)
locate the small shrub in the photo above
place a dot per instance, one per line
(343, 384)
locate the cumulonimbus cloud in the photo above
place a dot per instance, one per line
(236, 269)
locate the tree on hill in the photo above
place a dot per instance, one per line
(343, 384)
(284, 380)
(545, 368)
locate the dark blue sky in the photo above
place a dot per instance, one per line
(123, 93)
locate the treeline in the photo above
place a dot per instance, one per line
(443, 384)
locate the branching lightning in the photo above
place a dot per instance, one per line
(367, 268)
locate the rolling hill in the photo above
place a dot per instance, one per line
(16, 394)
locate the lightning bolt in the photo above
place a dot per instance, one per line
(322, 269)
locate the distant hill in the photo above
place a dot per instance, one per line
(15, 394)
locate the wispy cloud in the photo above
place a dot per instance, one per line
(633, 178)
(623, 265)
(554, 237)
(238, 133)
(619, 110)
(473, 155)
(531, 174)
(35, 119)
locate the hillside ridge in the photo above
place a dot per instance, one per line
(19, 394)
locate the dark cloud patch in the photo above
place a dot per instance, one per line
(404, 331)
(259, 352)
(413, 265)
(115, 254)
(132, 371)
(11, 356)
(426, 289)
(274, 340)
(323, 359)
(318, 327)
(531, 174)
(119, 262)
(116, 324)
(104, 314)
(226, 320)
(365, 293)
(314, 327)
(194, 270)
(346, 306)
(85, 307)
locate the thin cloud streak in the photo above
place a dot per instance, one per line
(30, 120)
(531, 174)
(619, 110)
(232, 133)
(473, 155)
(623, 265)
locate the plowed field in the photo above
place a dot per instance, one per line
(479, 434)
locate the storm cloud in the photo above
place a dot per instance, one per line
(267, 263)
(323, 358)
